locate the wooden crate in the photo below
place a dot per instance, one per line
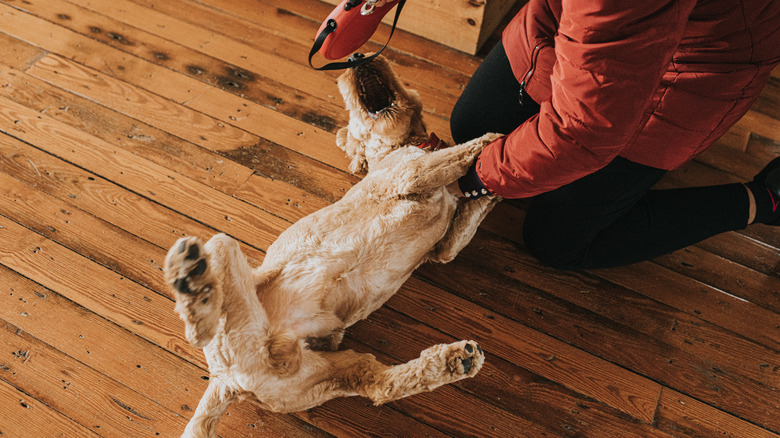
(464, 25)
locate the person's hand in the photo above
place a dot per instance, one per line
(454, 188)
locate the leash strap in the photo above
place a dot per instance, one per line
(330, 27)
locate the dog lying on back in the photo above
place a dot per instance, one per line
(270, 334)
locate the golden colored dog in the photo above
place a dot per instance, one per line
(271, 333)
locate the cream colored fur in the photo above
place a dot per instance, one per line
(270, 334)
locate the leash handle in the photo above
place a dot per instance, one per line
(353, 61)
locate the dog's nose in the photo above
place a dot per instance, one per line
(355, 56)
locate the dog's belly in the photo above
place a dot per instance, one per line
(351, 257)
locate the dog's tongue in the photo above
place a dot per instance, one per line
(375, 95)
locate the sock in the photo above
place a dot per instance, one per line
(767, 204)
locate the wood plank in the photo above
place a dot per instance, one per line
(18, 54)
(676, 290)
(95, 195)
(272, 195)
(474, 20)
(533, 350)
(130, 134)
(683, 416)
(706, 302)
(742, 281)
(249, 73)
(248, 80)
(289, 55)
(82, 232)
(438, 407)
(92, 399)
(768, 102)
(255, 118)
(216, 171)
(22, 415)
(651, 340)
(539, 406)
(94, 287)
(127, 358)
(141, 176)
(172, 115)
(355, 417)
(298, 21)
(277, 59)
(765, 149)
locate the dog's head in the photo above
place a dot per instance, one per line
(383, 114)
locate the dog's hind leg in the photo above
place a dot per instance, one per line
(443, 166)
(363, 375)
(436, 366)
(212, 405)
(348, 373)
(465, 222)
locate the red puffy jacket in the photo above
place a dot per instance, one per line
(653, 81)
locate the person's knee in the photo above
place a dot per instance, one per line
(462, 124)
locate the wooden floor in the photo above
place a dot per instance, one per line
(125, 124)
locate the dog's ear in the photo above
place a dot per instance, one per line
(284, 354)
(342, 137)
(354, 149)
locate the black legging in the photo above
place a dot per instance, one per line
(607, 218)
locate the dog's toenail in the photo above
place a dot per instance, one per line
(479, 349)
(192, 253)
(199, 269)
(466, 365)
(469, 349)
(182, 246)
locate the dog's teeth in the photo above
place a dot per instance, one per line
(375, 94)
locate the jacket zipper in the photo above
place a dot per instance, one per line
(530, 73)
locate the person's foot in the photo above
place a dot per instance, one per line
(766, 191)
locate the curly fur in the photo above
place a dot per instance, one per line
(270, 333)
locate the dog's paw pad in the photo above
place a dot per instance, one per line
(467, 359)
(191, 248)
(185, 266)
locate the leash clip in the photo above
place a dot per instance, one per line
(368, 7)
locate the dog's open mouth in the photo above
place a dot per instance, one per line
(373, 89)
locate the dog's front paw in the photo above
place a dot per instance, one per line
(465, 358)
(186, 266)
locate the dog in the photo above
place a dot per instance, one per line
(270, 334)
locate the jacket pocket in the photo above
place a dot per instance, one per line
(530, 73)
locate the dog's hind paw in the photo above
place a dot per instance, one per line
(465, 358)
(186, 267)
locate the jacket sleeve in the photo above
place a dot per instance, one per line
(610, 57)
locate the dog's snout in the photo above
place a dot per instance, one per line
(356, 56)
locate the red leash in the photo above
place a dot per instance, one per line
(348, 27)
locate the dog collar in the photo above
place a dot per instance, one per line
(433, 143)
